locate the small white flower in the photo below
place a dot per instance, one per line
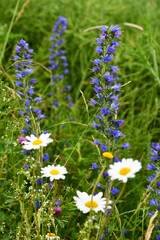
(51, 236)
(35, 143)
(124, 170)
(54, 172)
(85, 203)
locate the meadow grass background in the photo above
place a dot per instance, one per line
(138, 59)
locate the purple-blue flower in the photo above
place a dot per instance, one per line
(105, 174)
(38, 99)
(96, 125)
(153, 202)
(151, 166)
(46, 157)
(97, 89)
(99, 41)
(104, 29)
(93, 102)
(103, 147)
(115, 191)
(114, 68)
(125, 145)
(150, 178)
(111, 49)
(107, 58)
(97, 61)
(37, 204)
(95, 80)
(99, 49)
(57, 202)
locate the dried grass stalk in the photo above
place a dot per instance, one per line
(151, 226)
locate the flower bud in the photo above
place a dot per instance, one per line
(57, 211)
(107, 155)
(21, 139)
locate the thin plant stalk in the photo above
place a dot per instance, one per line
(98, 179)
(107, 218)
(9, 31)
(146, 195)
(49, 210)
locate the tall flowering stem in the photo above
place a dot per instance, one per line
(152, 190)
(25, 84)
(58, 60)
(32, 145)
(107, 87)
(59, 66)
(60, 97)
(105, 220)
(154, 168)
(94, 188)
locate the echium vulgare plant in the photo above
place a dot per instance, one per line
(154, 186)
(25, 87)
(107, 87)
(34, 205)
(58, 60)
(59, 93)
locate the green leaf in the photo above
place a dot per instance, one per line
(2, 216)
(60, 223)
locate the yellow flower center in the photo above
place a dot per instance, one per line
(124, 171)
(37, 142)
(51, 235)
(91, 204)
(107, 155)
(54, 172)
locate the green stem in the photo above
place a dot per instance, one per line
(107, 218)
(9, 31)
(107, 194)
(79, 140)
(146, 195)
(98, 179)
(50, 208)
(33, 194)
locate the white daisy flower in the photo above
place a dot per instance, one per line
(35, 143)
(84, 203)
(54, 172)
(124, 170)
(51, 236)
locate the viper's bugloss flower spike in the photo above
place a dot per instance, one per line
(24, 84)
(29, 112)
(154, 201)
(107, 87)
(59, 64)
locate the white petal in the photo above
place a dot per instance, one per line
(27, 147)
